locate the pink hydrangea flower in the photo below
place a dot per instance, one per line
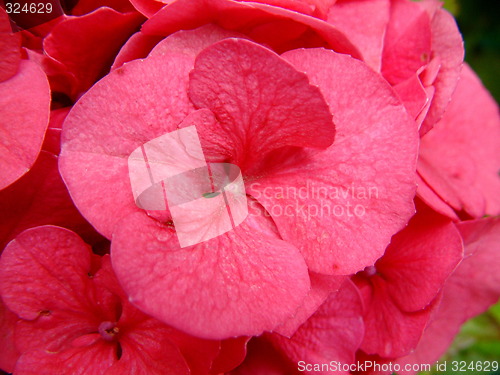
(344, 118)
(254, 116)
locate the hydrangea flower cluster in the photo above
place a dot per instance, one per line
(369, 158)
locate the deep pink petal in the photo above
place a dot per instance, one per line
(459, 158)
(8, 351)
(130, 106)
(145, 350)
(419, 259)
(468, 292)
(333, 333)
(40, 198)
(296, 29)
(52, 140)
(86, 45)
(24, 116)
(264, 359)
(261, 101)
(365, 23)
(44, 269)
(148, 7)
(93, 360)
(83, 7)
(232, 353)
(368, 174)
(10, 48)
(240, 283)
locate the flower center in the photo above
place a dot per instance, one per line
(370, 271)
(108, 330)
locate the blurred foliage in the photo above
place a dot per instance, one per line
(478, 22)
(478, 341)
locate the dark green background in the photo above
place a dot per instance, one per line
(479, 21)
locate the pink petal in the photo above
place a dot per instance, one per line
(192, 42)
(413, 95)
(8, 351)
(44, 269)
(390, 332)
(375, 148)
(261, 101)
(333, 333)
(365, 22)
(148, 7)
(40, 198)
(321, 287)
(431, 199)
(419, 260)
(137, 46)
(447, 43)
(99, 135)
(24, 114)
(459, 158)
(407, 280)
(246, 17)
(75, 361)
(407, 44)
(86, 45)
(10, 48)
(468, 292)
(240, 283)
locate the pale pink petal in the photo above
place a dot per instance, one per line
(109, 122)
